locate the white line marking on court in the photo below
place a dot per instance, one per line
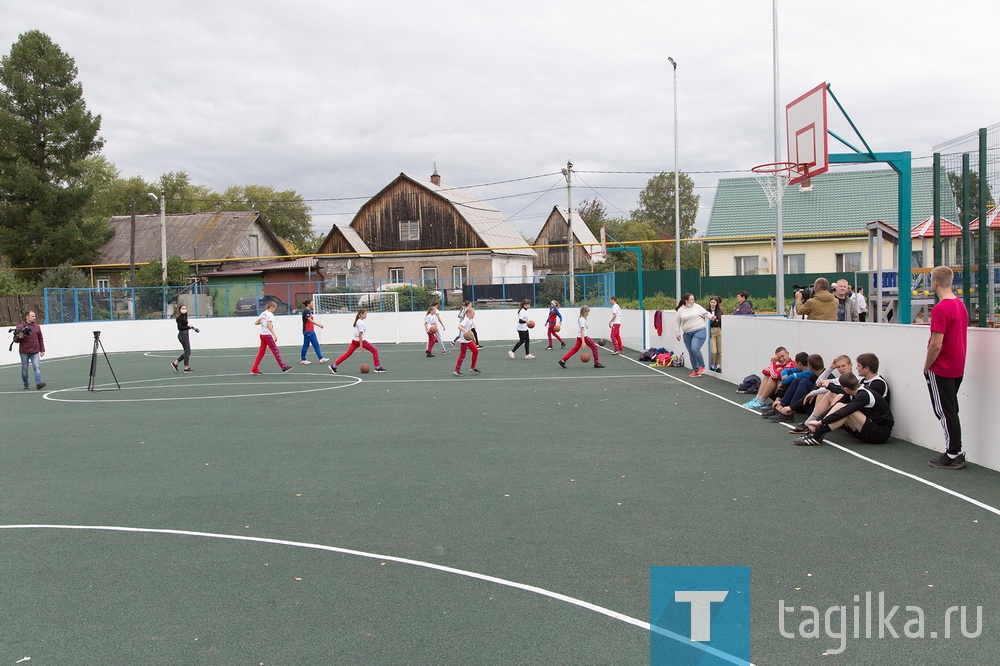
(890, 468)
(328, 384)
(621, 617)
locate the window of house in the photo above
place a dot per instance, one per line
(795, 263)
(848, 262)
(409, 230)
(459, 276)
(340, 279)
(428, 277)
(746, 265)
(103, 283)
(396, 275)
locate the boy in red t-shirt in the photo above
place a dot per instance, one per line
(944, 366)
(771, 377)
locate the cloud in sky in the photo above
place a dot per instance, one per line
(334, 99)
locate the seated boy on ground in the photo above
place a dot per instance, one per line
(794, 398)
(788, 375)
(865, 416)
(771, 378)
(868, 372)
(821, 398)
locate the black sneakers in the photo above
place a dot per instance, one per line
(800, 429)
(563, 364)
(333, 369)
(944, 461)
(782, 418)
(380, 369)
(768, 413)
(807, 440)
(598, 365)
(429, 355)
(476, 370)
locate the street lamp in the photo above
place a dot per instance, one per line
(163, 230)
(677, 194)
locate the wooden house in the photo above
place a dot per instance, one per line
(551, 244)
(422, 232)
(208, 241)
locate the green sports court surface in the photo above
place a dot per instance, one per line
(418, 518)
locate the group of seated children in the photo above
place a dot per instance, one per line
(830, 398)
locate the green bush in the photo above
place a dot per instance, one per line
(415, 298)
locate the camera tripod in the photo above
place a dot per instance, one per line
(93, 364)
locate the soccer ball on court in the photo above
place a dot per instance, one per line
(365, 368)
(468, 336)
(585, 357)
(531, 324)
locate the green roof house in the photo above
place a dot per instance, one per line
(823, 228)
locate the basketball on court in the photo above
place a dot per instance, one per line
(531, 324)
(468, 335)
(585, 357)
(557, 328)
(433, 328)
(365, 368)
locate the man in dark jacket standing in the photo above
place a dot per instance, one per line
(32, 347)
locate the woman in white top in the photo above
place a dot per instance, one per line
(522, 330)
(358, 340)
(268, 339)
(690, 321)
(582, 337)
(616, 326)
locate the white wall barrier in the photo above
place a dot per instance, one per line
(748, 343)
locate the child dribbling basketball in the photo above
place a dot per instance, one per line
(553, 320)
(467, 330)
(583, 336)
(358, 340)
(268, 339)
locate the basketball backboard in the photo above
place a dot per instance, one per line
(806, 132)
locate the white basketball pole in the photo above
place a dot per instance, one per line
(677, 195)
(779, 256)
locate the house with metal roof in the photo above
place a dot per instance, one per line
(824, 228)
(551, 244)
(207, 240)
(422, 232)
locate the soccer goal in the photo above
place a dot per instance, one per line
(382, 306)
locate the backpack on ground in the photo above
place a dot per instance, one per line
(664, 359)
(677, 360)
(648, 355)
(750, 384)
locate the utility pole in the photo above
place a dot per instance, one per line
(131, 251)
(570, 245)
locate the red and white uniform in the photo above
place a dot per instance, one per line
(467, 345)
(616, 327)
(583, 336)
(358, 340)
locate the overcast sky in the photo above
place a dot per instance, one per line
(334, 99)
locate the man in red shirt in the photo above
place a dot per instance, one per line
(944, 366)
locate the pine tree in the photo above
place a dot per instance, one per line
(46, 132)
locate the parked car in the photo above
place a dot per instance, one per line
(251, 306)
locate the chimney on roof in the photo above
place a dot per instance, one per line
(435, 178)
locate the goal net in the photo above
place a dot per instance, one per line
(384, 305)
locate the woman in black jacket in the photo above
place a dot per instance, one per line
(182, 335)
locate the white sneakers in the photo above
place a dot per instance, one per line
(530, 356)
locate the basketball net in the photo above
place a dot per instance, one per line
(773, 179)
